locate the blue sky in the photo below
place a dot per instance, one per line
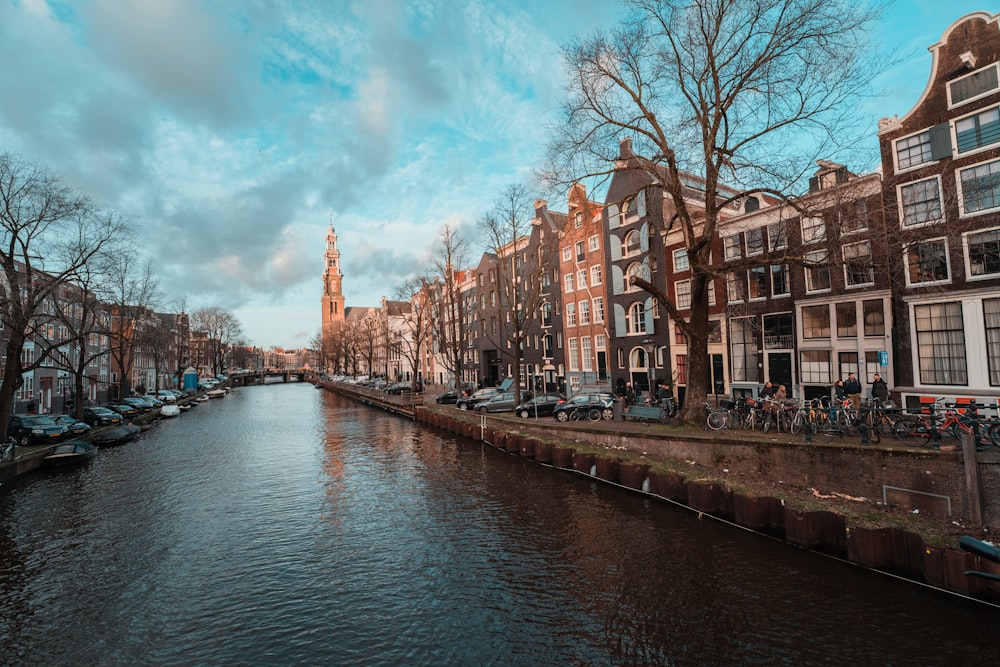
(232, 132)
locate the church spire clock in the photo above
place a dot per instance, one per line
(333, 296)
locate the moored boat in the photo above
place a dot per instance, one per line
(69, 452)
(215, 393)
(116, 436)
(170, 410)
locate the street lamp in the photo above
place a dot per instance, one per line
(650, 346)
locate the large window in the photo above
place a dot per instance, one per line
(858, 269)
(813, 229)
(853, 217)
(568, 280)
(815, 365)
(991, 317)
(779, 332)
(571, 314)
(971, 86)
(779, 280)
(757, 278)
(736, 288)
(776, 236)
(941, 343)
(584, 307)
(913, 150)
(682, 294)
(732, 247)
(744, 350)
(874, 314)
(598, 310)
(927, 262)
(817, 270)
(680, 260)
(984, 253)
(586, 354)
(847, 320)
(816, 322)
(595, 275)
(755, 241)
(581, 254)
(631, 244)
(978, 131)
(634, 269)
(980, 187)
(637, 318)
(571, 353)
(920, 202)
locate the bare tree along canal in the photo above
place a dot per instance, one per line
(288, 526)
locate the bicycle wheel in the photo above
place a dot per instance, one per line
(798, 422)
(913, 432)
(594, 414)
(717, 420)
(993, 436)
(848, 424)
(765, 425)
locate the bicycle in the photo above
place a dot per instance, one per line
(920, 430)
(7, 449)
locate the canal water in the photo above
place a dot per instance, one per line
(287, 526)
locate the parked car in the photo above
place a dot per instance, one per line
(450, 396)
(142, 403)
(399, 388)
(539, 406)
(34, 429)
(592, 406)
(503, 402)
(73, 427)
(166, 395)
(470, 402)
(126, 411)
(101, 416)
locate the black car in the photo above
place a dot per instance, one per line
(450, 396)
(399, 388)
(502, 402)
(539, 406)
(126, 411)
(98, 416)
(139, 403)
(592, 406)
(34, 429)
(470, 402)
(74, 428)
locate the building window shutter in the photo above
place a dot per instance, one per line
(940, 136)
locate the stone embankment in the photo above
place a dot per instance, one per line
(886, 507)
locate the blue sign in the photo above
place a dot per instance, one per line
(883, 358)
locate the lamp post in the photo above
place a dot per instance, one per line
(650, 346)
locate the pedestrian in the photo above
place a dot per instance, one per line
(768, 390)
(629, 394)
(880, 389)
(853, 389)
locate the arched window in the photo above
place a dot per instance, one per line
(636, 318)
(630, 245)
(634, 269)
(751, 204)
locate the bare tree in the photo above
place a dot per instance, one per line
(416, 292)
(47, 233)
(223, 330)
(523, 251)
(132, 293)
(446, 310)
(744, 92)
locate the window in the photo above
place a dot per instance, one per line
(920, 202)
(927, 262)
(637, 318)
(813, 229)
(971, 86)
(680, 365)
(594, 243)
(853, 217)
(630, 246)
(735, 287)
(779, 280)
(779, 332)
(847, 320)
(847, 363)
(980, 187)
(984, 253)
(598, 309)
(567, 255)
(634, 269)
(815, 365)
(874, 315)
(940, 343)
(568, 279)
(571, 314)
(547, 314)
(913, 150)
(586, 355)
(755, 241)
(858, 269)
(572, 355)
(991, 318)
(578, 221)
(679, 337)
(680, 260)
(978, 131)
(682, 294)
(581, 254)
(732, 247)
(744, 350)
(758, 282)
(776, 236)
(816, 322)
(581, 279)
(817, 270)
(595, 275)
(584, 307)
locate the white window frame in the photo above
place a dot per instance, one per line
(568, 282)
(567, 254)
(902, 211)
(961, 194)
(595, 275)
(581, 279)
(571, 314)
(947, 264)
(968, 257)
(895, 152)
(871, 267)
(974, 114)
(814, 256)
(598, 310)
(682, 294)
(758, 233)
(680, 260)
(594, 243)
(809, 224)
(583, 308)
(952, 105)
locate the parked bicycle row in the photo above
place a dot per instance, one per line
(872, 420)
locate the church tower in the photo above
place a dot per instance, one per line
(333, 296)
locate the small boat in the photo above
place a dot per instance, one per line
(116, 436)
(170, 410)
(186, 406)
(72, 451)
(215, 393)
(202, 399)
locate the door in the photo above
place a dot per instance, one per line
(779, 369)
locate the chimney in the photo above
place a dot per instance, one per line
(540, 205)
(625, 148)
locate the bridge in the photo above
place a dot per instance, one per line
(268, 376)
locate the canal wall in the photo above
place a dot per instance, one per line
(626, 455)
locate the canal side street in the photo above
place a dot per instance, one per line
(887, 507)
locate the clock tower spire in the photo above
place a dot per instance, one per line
(333, 295)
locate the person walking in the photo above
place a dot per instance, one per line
(880, 389)
(629, 394)
(853, 389)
